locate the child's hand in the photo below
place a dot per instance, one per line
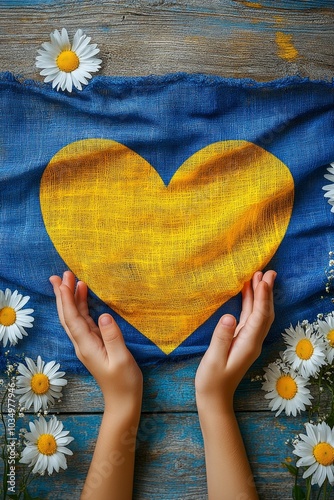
(100, 348)
(233, 349)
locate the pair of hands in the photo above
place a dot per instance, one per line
(101, 348)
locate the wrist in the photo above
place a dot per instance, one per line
(213, 405)
(216, 421)
(129, 412)
(126, 409)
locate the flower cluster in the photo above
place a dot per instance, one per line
(305, 364)
(309, 349)
(38, 385)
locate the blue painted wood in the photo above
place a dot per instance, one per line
(206, 7)
(169, 387)
(170, 458)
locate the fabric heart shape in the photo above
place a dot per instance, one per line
(166, 257)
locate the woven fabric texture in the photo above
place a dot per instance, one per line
(164, 194)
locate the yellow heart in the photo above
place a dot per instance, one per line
(166, 257)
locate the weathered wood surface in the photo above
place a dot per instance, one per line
(170, 460)
(262, 40)
(169, 387)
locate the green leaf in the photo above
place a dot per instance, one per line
(330, 420)
(298, 493)
(291, 468)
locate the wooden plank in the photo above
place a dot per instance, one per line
(262, 40)
(168, 387)
(170, 459)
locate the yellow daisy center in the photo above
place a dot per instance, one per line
(304, 349)
(46, 444)
(7, 316)
(40, 383)
(324, 453)
(67, 61)
(286, 387)
(330, 337)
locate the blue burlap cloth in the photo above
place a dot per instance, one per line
(159, 122)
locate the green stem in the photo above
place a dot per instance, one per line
(320, 490)
(308, 491)
(25, 482)
(325, 489)
(319, 391)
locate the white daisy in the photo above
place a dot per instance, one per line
(66, 65)
(316, 449)
(39, 383)
(305, 352)
(13, 319)
(287, 390)
(326, 328)
(46, 446)
(330, 187)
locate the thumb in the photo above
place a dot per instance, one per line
(111, 334)
(222, 336)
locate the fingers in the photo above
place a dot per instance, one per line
(248, 293)
(270, 277)
(247, 345)
(256, 279)
(247, 302)
(69, 280)
(56, 282)
(80, 296)
(76, 326)
(112, 336)
(263, 295)
(71, 305)
(262, 306)
(259, 321)
(248, 298)
(222, 338)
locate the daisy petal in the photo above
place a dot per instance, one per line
(72, 69)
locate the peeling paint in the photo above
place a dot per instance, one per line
(279, 19)
(254, 5)
(286, 49)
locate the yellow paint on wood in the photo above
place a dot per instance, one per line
(278, 19)
(254, 5)
(286, 49)
(195, 39)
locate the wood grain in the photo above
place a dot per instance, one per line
(228, 38)
(161, 381)
(170, 460)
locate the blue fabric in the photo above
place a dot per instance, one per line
(165, 119)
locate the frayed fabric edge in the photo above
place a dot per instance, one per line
(104, 82)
